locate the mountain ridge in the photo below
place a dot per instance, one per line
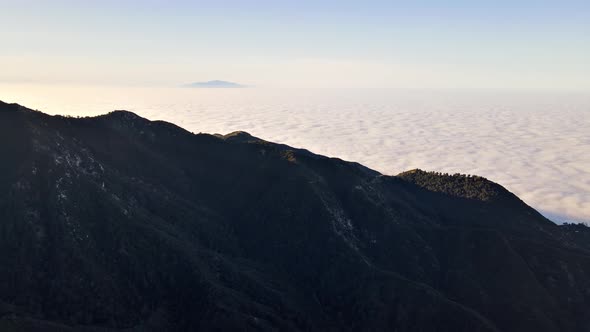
(117, 222)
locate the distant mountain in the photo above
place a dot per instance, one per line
(117, 223)
(215, 84)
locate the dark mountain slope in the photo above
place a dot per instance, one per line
(120, 223)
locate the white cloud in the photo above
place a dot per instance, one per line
(535, 144)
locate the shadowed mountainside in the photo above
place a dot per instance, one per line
(117, 223)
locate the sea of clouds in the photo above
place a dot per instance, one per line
(536, 144)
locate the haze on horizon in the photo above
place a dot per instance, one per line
(425, 44)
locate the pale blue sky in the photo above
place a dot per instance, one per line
(407, 44)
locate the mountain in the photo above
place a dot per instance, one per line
(117, 223)
(215, 84)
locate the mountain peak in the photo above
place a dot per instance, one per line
(458, 185)
(123, 114)
(239, 136)
(6, 107)
(215, 84)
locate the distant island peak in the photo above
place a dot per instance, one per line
(215, 84)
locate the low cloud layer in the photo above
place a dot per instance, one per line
(535, 144)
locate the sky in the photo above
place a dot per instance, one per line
(337, 44)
